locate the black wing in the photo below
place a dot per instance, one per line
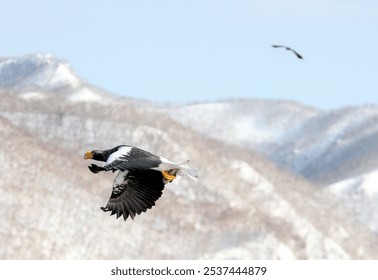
(134, 192)
(297, 54)
(135, 159)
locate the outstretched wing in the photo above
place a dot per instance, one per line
(134, 192)
(132, 158)
(278, 46)
(289, 49)
(297, 54)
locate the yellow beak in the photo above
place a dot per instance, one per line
(88, 155)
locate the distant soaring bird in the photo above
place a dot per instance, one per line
(140, 180)
(289, 49)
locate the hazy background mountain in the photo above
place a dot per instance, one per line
(279, 180)
(322, 146)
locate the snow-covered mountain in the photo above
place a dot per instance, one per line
(246, 206)
(36, 71)
(324, 147)
(32, 76)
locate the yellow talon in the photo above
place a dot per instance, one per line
(169, 177)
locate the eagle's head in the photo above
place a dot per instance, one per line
(96, 155)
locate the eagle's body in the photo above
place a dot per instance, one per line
(140, 180)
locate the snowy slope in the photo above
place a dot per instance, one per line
(361, 195)
(336, 145)
(255, 124)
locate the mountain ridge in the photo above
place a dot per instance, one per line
(293, 138)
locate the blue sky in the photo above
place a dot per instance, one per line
(204, 50)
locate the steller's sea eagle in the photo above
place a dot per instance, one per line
(140, 179)
(289, 49)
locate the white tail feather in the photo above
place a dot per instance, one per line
(182, 169)
(192, 173)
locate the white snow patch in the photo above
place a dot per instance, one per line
(361, 195)
(246, 171)
(284, 253)
(63, 76)
(248, 128)
(366, 184)
(370, 184)
(33, 95)
(339, 231)
(334, 250)
(86, 95)
(249, 174)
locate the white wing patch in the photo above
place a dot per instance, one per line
(118, 180)
(122, 151)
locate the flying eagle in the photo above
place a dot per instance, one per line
(289, 49)
(140, 179)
